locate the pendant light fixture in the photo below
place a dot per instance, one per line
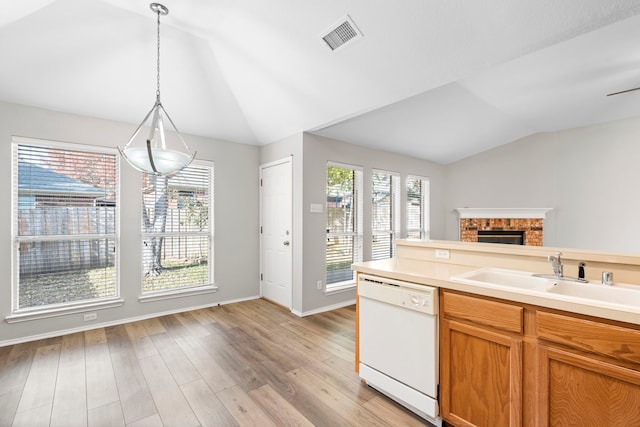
(161, 153)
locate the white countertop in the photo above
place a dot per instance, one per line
(439, 274)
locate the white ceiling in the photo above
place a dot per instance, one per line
(436, 80)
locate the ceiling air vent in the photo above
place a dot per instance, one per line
(345, 31)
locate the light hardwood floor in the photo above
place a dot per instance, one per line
(247, 364)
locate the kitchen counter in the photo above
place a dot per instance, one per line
(436, 262)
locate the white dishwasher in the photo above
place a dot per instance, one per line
(399, 342)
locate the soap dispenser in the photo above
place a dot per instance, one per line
(581, 270)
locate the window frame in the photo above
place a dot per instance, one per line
(19, 314)
(425, 193)
(358, 225)
(395, 186)
(209, 234)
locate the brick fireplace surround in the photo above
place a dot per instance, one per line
(532, 228)
(530, 221)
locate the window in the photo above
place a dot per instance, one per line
(385, 213)
(177, 230)
(344, 223)
(64, 225)
(417, 207)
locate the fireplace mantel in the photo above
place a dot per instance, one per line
(539, 213)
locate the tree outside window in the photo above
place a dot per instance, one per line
(176, 230)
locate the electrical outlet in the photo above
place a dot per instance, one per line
(319, 285)
(442, 253)
(315, 208)
(90, 316)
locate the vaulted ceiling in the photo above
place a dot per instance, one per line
(439, 80)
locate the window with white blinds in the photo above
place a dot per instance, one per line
(65, 224)
(417, 207)
(385, 213)
(177, 230)
(344, 223)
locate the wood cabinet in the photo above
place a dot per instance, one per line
(510, 364)
(588, 372)
(481, 362)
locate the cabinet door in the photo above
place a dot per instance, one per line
(576, 390)
(481, 376)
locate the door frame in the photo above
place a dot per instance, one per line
(285, 160)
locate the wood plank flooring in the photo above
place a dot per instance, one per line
(243, 364)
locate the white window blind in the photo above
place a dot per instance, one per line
(177, 230)
(417, 207)
(344, 222)
(385, 213)
(65, 224)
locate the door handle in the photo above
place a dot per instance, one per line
(286, 243)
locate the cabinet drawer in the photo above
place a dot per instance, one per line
(479, 311)
(600, 338)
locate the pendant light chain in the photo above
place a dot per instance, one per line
(158, 59)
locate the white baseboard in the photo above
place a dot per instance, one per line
(116, 322)
(323, 309)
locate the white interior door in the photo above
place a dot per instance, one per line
(275, 238)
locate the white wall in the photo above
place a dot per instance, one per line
(236, 217)
(589, 176)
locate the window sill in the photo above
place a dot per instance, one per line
(26, 316)
(339, 288)
(177, 293)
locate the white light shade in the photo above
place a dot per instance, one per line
(151, 150)
(167, 162)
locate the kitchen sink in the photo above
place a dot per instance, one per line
(591, 293)
(492, 277)
(616, 294)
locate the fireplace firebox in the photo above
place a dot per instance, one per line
(510, 237)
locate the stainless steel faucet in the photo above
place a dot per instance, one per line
(556, 263)
(558, 270)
